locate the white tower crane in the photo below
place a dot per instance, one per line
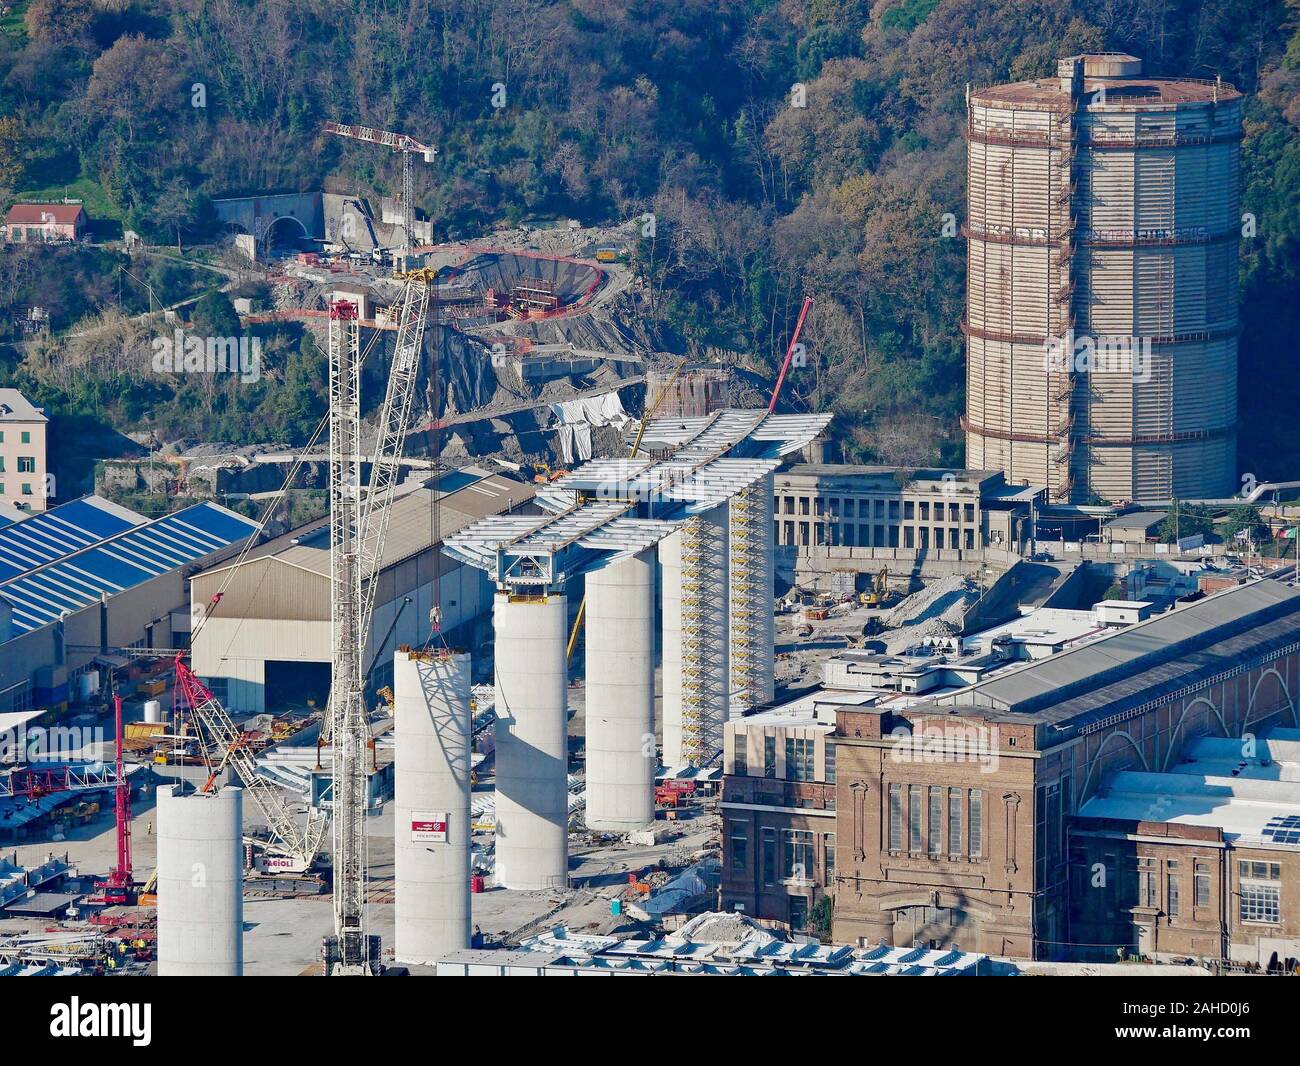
(405, 145)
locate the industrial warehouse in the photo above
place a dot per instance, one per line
(605, 667)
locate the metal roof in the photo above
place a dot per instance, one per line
(610, 508)
(1252, 799)
(410, 529)
(756, 953)
(59, 532)
(121, 562)
(1146, 661)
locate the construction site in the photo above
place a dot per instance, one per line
(512, 702)
(372, 826)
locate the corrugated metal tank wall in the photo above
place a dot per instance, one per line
(1114, 216)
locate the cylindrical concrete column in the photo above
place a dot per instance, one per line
(697, 679)
(753, 574)
(532, 745)
(431, 827)
(200, 883)
(621, 695)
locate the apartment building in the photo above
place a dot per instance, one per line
(840, 505)
(23, 468)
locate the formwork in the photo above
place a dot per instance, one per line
(693, 393)
(1103, 218)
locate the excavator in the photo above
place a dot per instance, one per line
(878, 595)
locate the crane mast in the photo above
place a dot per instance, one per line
(350, 730)
(359, 525)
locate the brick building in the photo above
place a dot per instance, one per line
(1201, 860)
(778, 809)
(954, 814)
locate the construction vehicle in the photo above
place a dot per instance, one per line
(878, 595)
(544, 473)
(671, 792)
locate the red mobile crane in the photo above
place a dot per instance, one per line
(120, 887)
(33, 784)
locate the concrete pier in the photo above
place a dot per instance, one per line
(431, 826)
(620, 706)
(532, 800)
(200, 883)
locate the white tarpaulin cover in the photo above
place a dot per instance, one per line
(577, 418)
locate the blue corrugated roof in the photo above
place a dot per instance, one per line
(120, 563)
(59, 532)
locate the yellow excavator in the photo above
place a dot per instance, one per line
(878, 594)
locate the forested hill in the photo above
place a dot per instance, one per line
(683, 108)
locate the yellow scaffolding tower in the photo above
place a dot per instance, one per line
(704, 637)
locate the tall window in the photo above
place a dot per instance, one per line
(739, 756)
(799, 859)
(769, 856)
(1261, 901)
(830, 761)
(1146, 883)
(739, 846)
(976, 823)
(799, 759)
(1201, 884)
(913, 817)
(828, 859)
(1173, 896)
(934, 829)
(954, 822)
(769, 756)
(895, 817)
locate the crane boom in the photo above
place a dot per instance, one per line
(394, 421)
(296, 842)
(789, 352)
(402, 143)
